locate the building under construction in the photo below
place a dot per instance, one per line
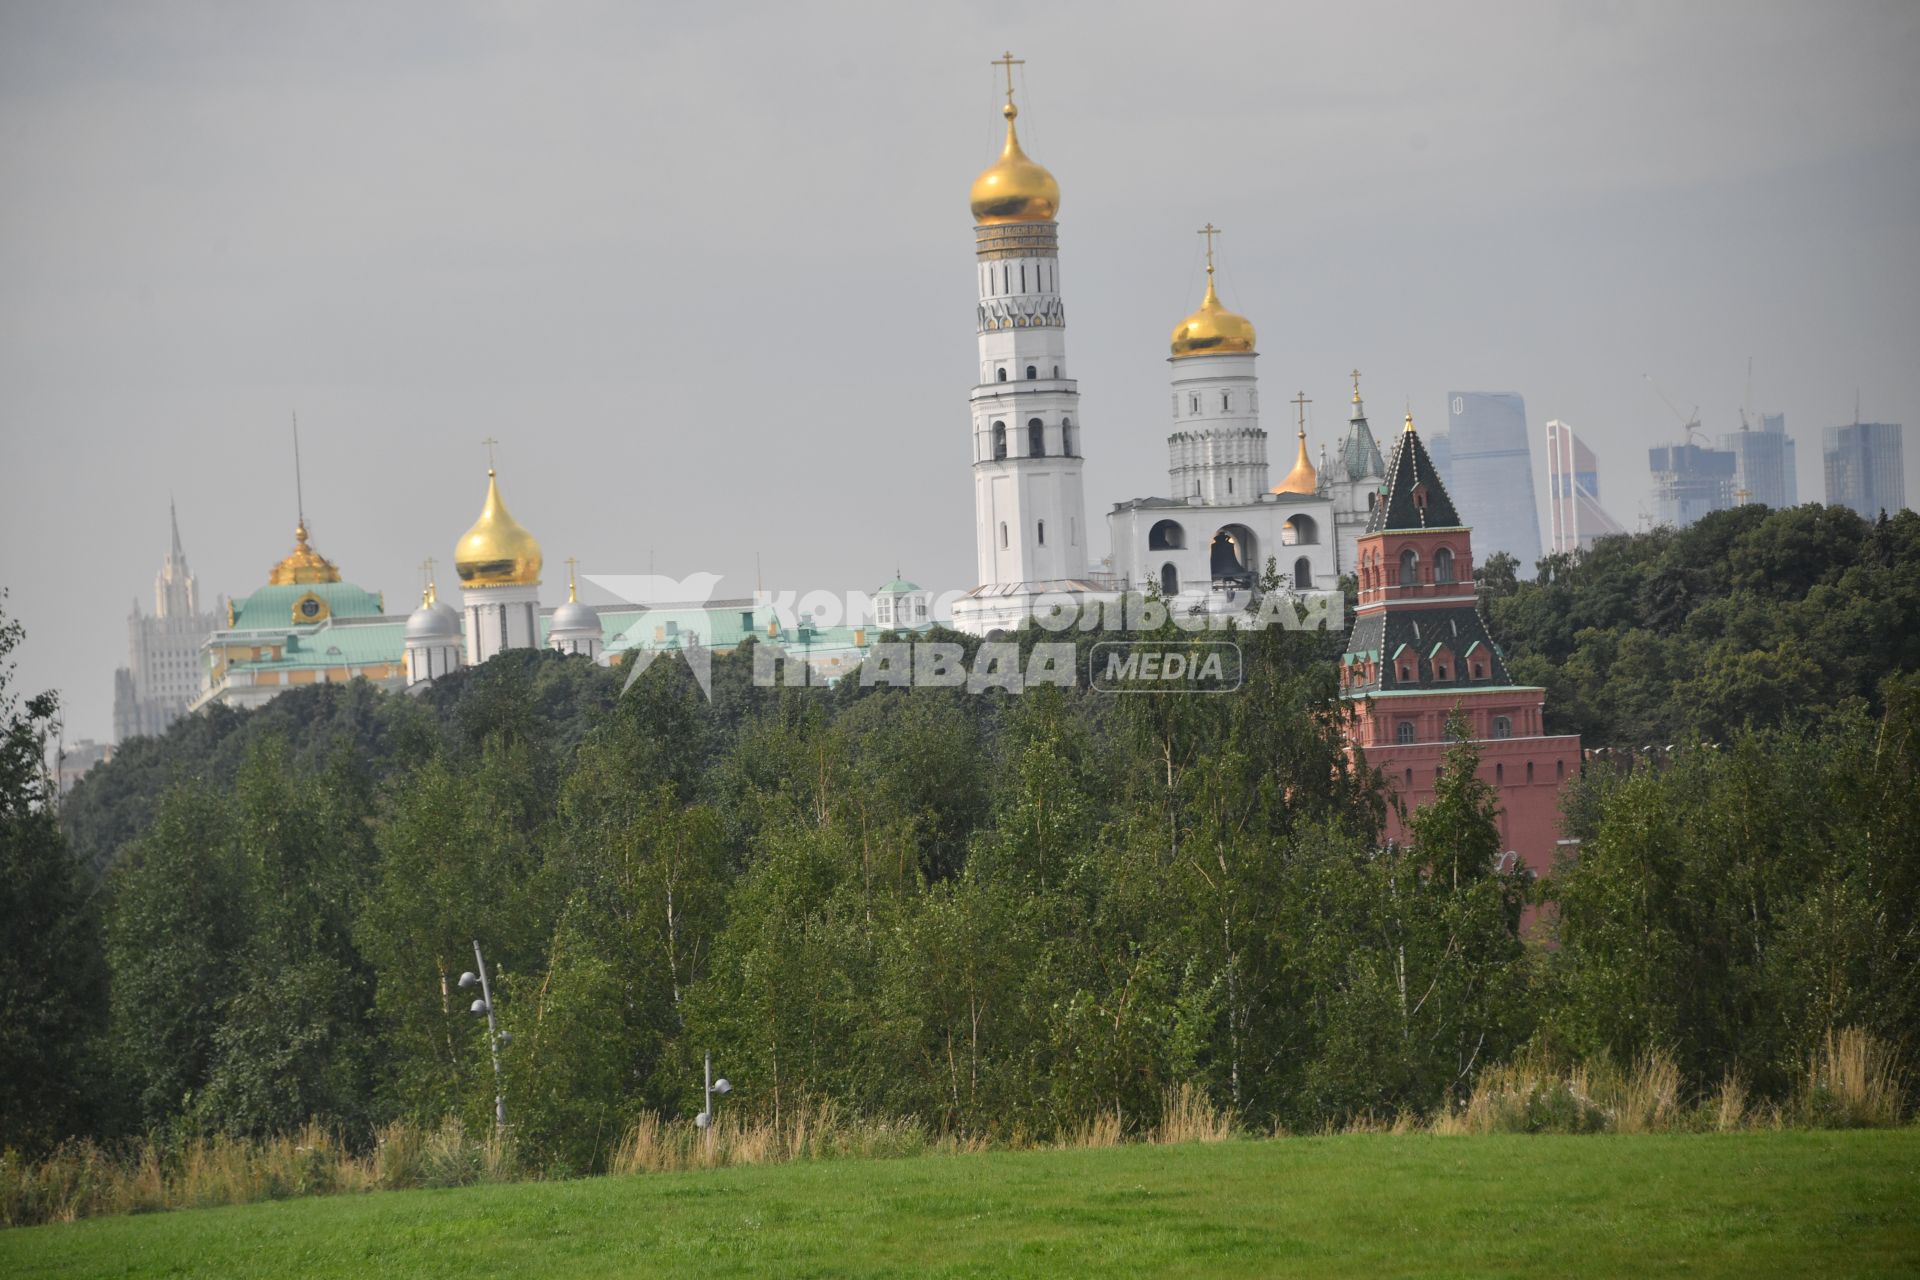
(1689, 480)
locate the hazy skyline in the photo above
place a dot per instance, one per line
(707, 273)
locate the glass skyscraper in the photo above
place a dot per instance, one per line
(1865, 468)
(1489, 471)
(1763, 463)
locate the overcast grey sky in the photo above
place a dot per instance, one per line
(706, 271)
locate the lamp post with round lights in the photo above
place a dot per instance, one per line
(721, 1086)
(495, 1036)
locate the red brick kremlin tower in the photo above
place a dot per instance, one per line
(1419, 649)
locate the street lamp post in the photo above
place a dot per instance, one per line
(495, 1037)
(721, 1086)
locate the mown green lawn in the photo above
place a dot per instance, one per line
(1746, 1205)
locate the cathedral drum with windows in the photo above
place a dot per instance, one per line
(1210, 543)
(1419, 651)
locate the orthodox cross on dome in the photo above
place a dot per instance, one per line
(1009, 62)
(1209, 231)
(571, 562)
(1301, 402)
(1355, 375)
(489, 442)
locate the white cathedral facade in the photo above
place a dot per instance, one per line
(1209, 543)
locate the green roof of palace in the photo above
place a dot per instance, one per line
(349, 640)
(896, 586)
(326, 645)
(271, 608)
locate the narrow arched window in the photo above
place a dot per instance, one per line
(1303, 574)
(1529, 771)
(999, 440)
(1036, 439)
(1409, 568)
(1033, 372)
(1040, 533)
(1404, 734)
(1003, 533)
(1226, 402)
(1499, 774)
(1502, 727)
(1056, 371)
(1066, 436)
(1169, 580)
(1443, 565)
(999, 375)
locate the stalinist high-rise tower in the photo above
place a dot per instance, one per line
(1030, 525)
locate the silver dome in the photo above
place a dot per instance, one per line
(573, 617)
(434, 622)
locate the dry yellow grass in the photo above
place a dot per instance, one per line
(1853, 1081)
(1728, 1106)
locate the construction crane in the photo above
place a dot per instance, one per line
(1690, 422)
(1747, 399)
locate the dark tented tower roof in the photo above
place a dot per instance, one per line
(1412, 496)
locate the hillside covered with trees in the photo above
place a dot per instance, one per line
(993, 914)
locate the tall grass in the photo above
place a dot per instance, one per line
(821, 1132)
(85, 1179)
(1852, 1080)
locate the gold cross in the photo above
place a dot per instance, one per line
(1209, 231)
(1356, 386)
(489, 442)
(1303, 402)
(1008, 61)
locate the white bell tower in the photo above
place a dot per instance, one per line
(1030, 528)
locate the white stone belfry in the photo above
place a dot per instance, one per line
(1030, 528)
(1207, 546)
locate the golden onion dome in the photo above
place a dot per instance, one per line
(1014, 188)
(1213, 330)
(303, 565)
(497, 551)
(1303, 478)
